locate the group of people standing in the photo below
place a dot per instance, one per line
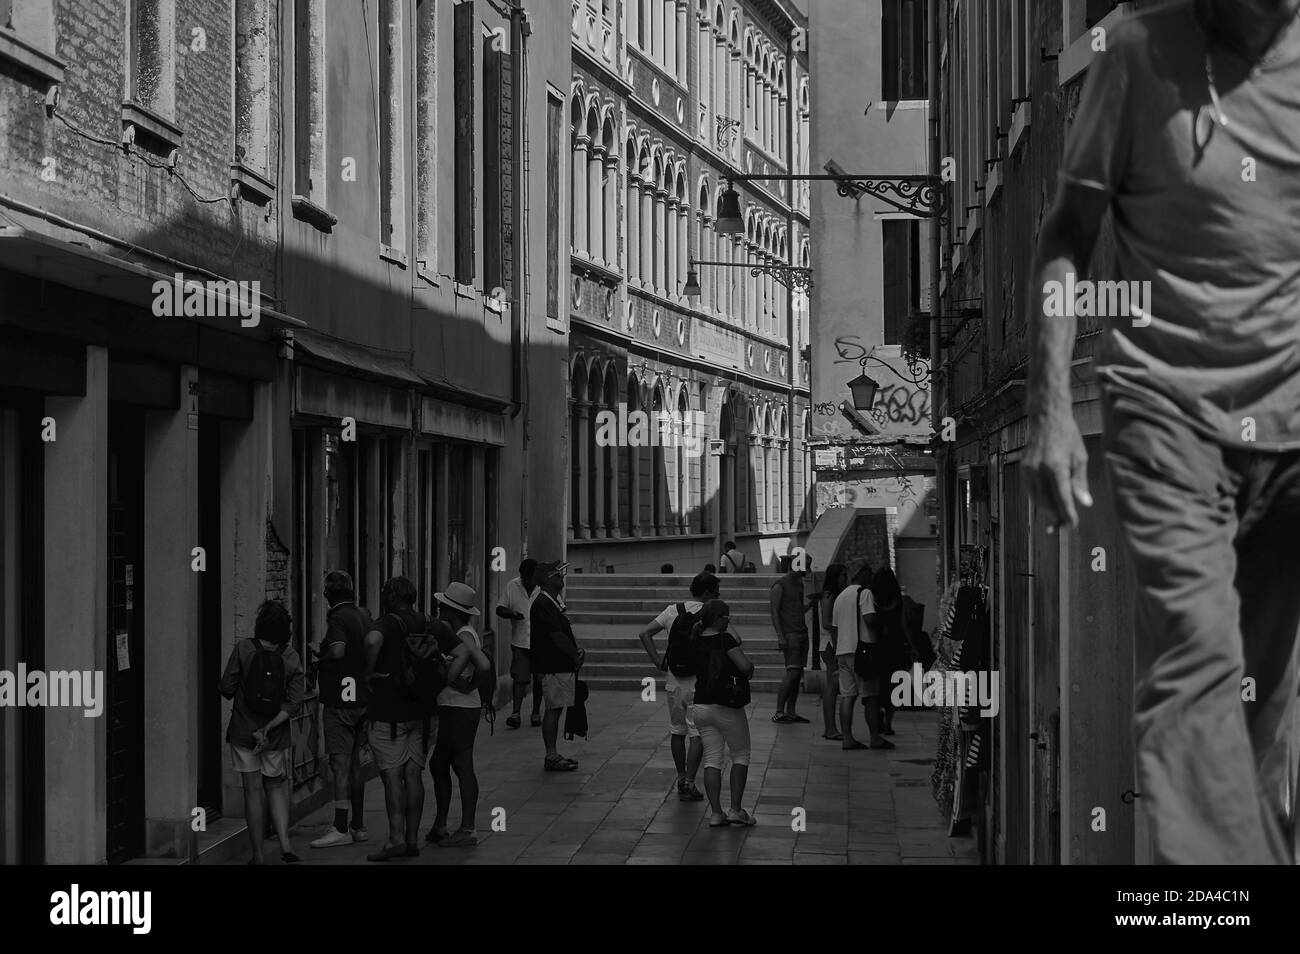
(410, 687)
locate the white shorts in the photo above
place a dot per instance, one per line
(681, 695)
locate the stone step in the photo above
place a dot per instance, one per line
(633, 684)
(654, 604)
(625, 655)
(587, 616)
(639, 670)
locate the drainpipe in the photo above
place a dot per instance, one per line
(940, 454)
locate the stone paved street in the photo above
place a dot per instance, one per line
(862, 807)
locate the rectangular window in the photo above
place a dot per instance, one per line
(33, 20)
(902, 51)
(463, 81)
(901, 252)
(153, 56)
(426, 509)
(392, 123)
(554, 157)
(252, 84)
(498, 166)
(426, 139)
(309, 100)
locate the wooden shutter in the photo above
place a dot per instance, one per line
(554, 124)
(463, 69)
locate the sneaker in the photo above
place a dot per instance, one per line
(459, 839)
(331, 838)
(687, 792)
(360, 834)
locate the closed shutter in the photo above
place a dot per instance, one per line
(463, 69)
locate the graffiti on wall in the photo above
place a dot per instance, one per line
(907, 492)
(901, 404)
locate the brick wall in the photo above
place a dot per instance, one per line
(100, 185)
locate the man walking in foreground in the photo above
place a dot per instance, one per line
(1189, 130)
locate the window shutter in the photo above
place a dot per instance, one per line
(463, 69)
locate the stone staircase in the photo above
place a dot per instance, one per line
(609, 609)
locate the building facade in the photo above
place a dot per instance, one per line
(1062, 604)
(667, 98)
(279, 297)
(875, 476)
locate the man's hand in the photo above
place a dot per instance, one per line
(1057, 465)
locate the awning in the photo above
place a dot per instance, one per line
(355, 359)
(79, 266)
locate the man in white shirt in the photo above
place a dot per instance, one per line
(680, 686)
(519, 596)
(854, 613)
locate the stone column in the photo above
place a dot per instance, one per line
(597, 481)
(171, 530)
(682, 255)
(579, 218)
(670, 252)
(647, 234)
(661, 218)
(633, 228)
(76, 616)
(595, 202)
(582, 440)
(611, 211)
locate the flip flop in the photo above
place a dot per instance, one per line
(855, 746)
(833, 738)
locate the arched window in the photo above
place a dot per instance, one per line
(683, 437)
(658, 466)
(578, 193)
(631, 214)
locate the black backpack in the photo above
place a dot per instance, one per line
(420, 675)
(679, 642)
(725, 685)
(264, 689)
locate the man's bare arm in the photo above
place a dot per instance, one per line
(1057, 461)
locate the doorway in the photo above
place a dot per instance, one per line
(125, 756)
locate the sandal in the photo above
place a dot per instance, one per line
(833, 737)
(558, 763)
(796, 718)
(738, 816)
(513, 721)
(780, 718)
(719, 821)
(688, 792)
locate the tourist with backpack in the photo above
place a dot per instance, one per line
(678, 620)
(343, 698)
(264, 678)
(402, 670)
(459, 705)
(721, 694)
